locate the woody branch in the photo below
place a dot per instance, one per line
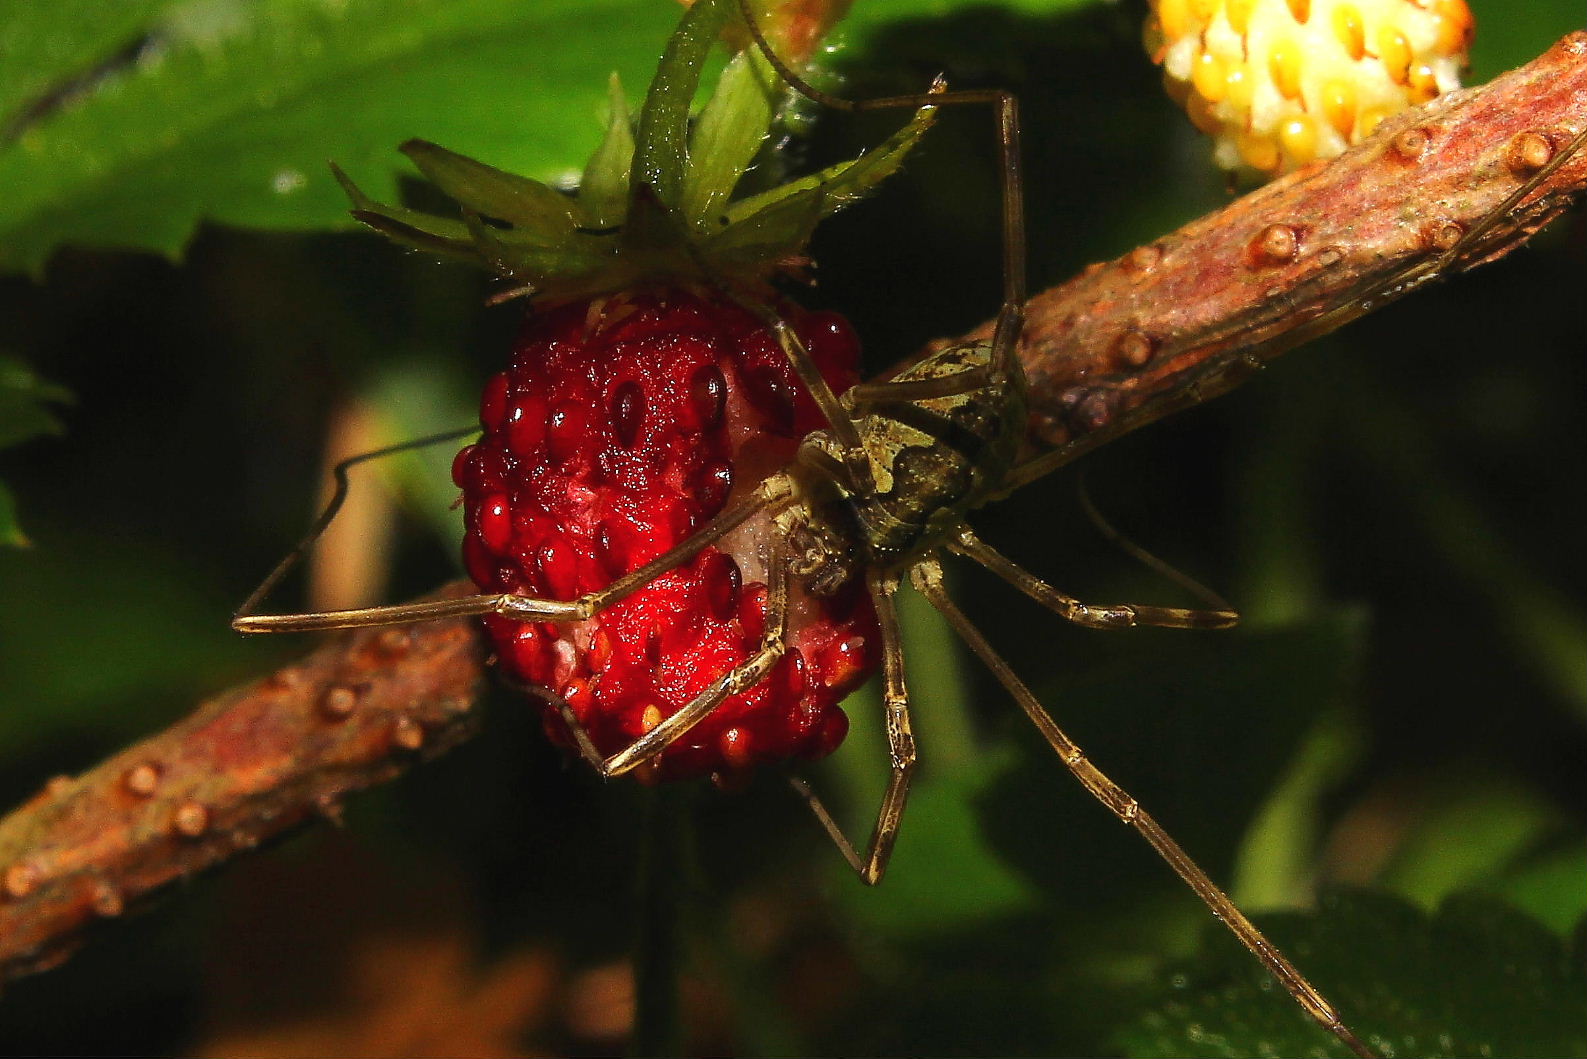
(1163, 327)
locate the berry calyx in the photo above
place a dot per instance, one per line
(656, 202)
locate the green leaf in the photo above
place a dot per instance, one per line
(1476, 978)
(128, 124)
(944, 876)
(233, 111)
(1478, 826)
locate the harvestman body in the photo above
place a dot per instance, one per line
(879, 494)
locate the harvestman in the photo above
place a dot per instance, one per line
(880, 493)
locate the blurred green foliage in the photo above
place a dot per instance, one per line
(1397, 511)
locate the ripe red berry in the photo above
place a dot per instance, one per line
(622, 424)
(643, 397)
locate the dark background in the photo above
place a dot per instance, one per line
(1396, 508)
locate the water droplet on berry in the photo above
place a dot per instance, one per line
(527, 649)
(834, 726)
(600, 650)
(481, 565)
(833, 346)
(795, 675)
(736, 746)
(579, 696)
(708, 396)
(628, 413)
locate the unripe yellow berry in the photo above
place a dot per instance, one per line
(1278, 83)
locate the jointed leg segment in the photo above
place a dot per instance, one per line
(773, 492)
(1093, 615)
(900, 743)
(740, 678)
(927, 578)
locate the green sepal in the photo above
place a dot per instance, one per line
(603, 189)
(422, 231)
(661, 146)
(560, 267)
(788, 214)
(727, 135)
(655, 205)
(526, 204)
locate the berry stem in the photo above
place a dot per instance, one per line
(664, 841)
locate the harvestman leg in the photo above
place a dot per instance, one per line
(1091, 615)
(1011, 317)
(900, 744)
(740, 678)
(774, 492)
(927, 578)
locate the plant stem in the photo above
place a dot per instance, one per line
(657, 1031)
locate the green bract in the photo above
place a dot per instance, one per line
(655, 204)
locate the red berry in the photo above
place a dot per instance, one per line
(622, 425)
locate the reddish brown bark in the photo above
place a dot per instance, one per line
(1124, 343)
(1191, 315)
(248, 765)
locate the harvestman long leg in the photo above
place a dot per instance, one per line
(1091, 615)
(1010, 318)
(742, 677)
(900, 744)
(774, 492)
(926, 576)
